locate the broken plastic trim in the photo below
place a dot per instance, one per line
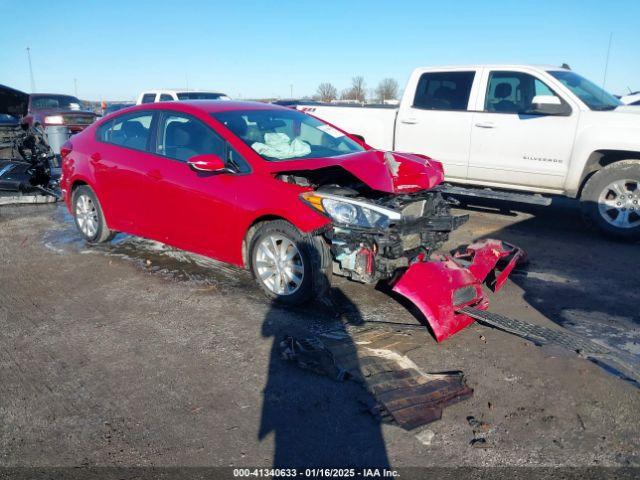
(442, 287)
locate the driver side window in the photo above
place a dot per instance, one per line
(181, 137)
(513, 92)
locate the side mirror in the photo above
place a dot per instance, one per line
(359, 137)
(548, 105)
(207, 163)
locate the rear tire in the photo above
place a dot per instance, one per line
(610, 200)
(88, 215)
(289, 266)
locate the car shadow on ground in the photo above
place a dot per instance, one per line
(314, 420)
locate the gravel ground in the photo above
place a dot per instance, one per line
(136, 354)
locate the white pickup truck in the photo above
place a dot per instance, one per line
(505, 128)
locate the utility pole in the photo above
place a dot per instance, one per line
(291, 90)
(33, 82)
(75, 87)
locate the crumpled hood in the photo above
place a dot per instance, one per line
(389, 172)
(13, 102)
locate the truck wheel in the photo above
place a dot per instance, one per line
(611, 200)
(290, 267)
(88, 215)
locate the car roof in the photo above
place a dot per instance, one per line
(202, 106)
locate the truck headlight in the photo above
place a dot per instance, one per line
(351, 212)
(54, 120)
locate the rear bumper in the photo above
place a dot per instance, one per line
(443, 286)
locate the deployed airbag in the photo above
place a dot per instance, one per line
(281, 147)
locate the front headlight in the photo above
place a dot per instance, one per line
(352, 212)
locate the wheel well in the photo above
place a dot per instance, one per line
(251, 231)
(600, 159)
(76, 184)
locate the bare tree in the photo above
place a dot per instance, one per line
(327, 92)
(358, 88)
(346, 94)
(387, 89)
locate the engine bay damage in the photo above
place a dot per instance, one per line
(395, 236)
(367, 254)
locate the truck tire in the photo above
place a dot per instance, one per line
(610, 200)
(88, 215)
(289, 266)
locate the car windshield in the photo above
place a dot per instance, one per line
(201, 96)
(45, 102)
(285, 134)
(595, 97)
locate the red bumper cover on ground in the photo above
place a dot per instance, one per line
(443, 285)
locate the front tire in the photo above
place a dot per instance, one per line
(290, 267)
(611, 200)
(88, 215)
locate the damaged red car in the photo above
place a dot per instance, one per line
(284, 194)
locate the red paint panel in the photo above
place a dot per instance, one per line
(431, 285)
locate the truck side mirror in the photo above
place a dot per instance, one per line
(548, 105)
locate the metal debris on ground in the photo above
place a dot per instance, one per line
(624, 364)
(399, 392)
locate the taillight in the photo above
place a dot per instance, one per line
(65, 149)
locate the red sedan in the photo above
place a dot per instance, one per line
(281, 193)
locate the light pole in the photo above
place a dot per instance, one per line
(33, 82)
(291, 90)
(75, 87)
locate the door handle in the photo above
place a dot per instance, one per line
(485, 125)
(409, 121)
(155, 174)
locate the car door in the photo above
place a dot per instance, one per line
(121, 161)
(437, 121)
(510, 145)
(196, 209)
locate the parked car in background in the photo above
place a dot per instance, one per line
(292, 102)
(632, 98)
(542, 130)
(283, 194)
(152, 96)
(114, 107)
(50, 109)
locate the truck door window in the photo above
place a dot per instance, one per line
(513, 92)
(165, 97)
(444, 90)
(148, 98)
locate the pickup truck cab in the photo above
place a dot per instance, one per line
(152, 96)
(536, 129)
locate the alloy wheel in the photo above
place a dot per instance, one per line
(619, 203)
(279, 264)
(86, 216)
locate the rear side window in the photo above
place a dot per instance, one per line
(444, 90)
(130, 131)
(148, 98)
(165, 97)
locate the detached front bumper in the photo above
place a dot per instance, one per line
(442, 286)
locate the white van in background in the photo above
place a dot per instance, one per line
(152, 96)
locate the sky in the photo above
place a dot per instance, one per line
(257, 49)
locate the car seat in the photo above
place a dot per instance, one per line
(502, 92)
